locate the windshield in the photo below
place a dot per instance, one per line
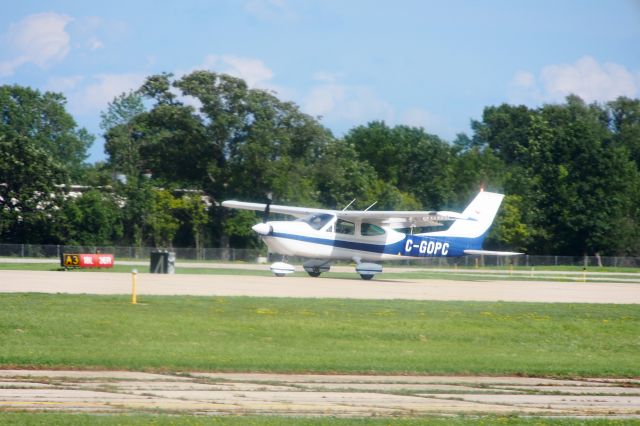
(317, 221)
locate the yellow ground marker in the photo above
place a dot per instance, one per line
(134, 275)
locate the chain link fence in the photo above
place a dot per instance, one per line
(257, 255)
(132, 253)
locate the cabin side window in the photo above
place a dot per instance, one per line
(317, 221)
(370, 230)
(344, 227)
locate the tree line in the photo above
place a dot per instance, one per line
(177, 147)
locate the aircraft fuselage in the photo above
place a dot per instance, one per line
(299, 239)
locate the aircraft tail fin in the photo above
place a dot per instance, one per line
(479, 216)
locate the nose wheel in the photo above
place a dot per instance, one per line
(280, 269)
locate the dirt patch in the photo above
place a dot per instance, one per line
(314, 395)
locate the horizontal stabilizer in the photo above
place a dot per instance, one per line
(492, 253)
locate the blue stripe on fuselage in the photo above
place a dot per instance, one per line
(410, 245)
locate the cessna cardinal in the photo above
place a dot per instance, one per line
(369, 236)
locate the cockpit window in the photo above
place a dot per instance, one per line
(370, 230)
(344, 227)
(317, 221)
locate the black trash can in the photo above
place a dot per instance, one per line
(162, 262)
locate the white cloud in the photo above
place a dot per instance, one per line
(63, 84)
(589, 80)
(103, 89)
(251, 70)
(524, 79)
(92, 33)
(345, 106)
(40, 39)
(324, 99)
(339, 103)
(8, 67)
(586, 78)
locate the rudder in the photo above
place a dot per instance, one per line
(479, 216)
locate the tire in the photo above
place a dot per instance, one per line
(279, 275)
(314, 274)
(366, 276)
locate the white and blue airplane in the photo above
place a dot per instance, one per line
(368, 236)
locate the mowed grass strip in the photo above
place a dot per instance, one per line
(318, 335)
(128, 268)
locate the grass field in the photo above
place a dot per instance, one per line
(129, 268)
(54, 419)
(310, 335)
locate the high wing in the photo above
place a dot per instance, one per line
(402, 219)
(274, 208)
(396, 219)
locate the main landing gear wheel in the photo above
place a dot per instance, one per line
(314, 267)
(366, 276)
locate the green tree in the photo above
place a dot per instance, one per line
(510, 230)
(239, 143)
(162, 220)
(193, 212)
(340, 176)
(409, 159)
(123, 131)
(32, 187)
(576, 182)
(625, 122)
(475, 166)
(137, 196)
(44, 121)
(41, 149)
(93, 218)
(258, 144)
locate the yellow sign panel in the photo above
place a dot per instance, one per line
(71, 260)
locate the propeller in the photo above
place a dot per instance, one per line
(263, 228)
(265, 215)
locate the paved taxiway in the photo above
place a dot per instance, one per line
(314, 395)
(76, 282)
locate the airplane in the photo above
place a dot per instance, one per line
(367, 236)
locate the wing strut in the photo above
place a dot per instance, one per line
(347, 206)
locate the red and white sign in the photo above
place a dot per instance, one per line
(88, 260)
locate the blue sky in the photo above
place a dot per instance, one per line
(432, 64)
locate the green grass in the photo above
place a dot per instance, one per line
(54, 419)
(128, 268)
(323, 335)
